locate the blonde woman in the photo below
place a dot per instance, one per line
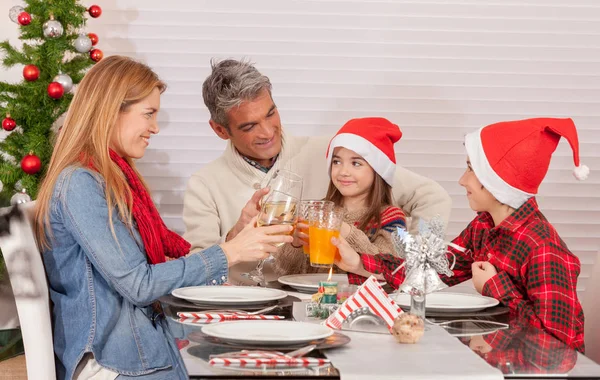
(104, 243)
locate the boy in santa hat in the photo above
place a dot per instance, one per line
(511, 251)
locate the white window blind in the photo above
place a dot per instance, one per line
(439, 69)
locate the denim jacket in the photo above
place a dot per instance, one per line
(102, 289)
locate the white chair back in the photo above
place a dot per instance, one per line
(30, 287)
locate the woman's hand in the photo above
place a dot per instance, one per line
(255, 243)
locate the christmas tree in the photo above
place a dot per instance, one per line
(55, 54)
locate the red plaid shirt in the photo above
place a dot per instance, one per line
(524, 349)
(537, 274)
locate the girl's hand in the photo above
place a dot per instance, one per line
(350, 260)
(255, 243)
(300, 235)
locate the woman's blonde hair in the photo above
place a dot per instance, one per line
(110, 87)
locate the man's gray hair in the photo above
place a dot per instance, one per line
(230, 83)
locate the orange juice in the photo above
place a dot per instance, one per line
(322, 251)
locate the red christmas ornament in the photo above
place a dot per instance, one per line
(55, 90)
(8, 124)
(94, 38)
(95, 11)
(31, 163)
(96, 55)
(31, 73)
(24, 18)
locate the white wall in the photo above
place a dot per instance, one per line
(439, 69)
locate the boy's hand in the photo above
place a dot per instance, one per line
(478, 344)
(482, 272)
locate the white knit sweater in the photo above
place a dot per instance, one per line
(216, 193)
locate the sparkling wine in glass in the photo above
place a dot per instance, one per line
(279, 206)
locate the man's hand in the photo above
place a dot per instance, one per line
(250, 210)
(482, 272)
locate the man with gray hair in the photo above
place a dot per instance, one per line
(222, 197)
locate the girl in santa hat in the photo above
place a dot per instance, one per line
(362, 163)
(510, 250)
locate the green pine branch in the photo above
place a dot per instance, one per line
(11, 55)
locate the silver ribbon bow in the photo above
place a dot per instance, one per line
(424, 257)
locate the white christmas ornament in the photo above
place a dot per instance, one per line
(19, 198)
(65, 81)
(14, 13)
(83, 43)
(52, 28)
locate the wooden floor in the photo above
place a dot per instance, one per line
(13, 369)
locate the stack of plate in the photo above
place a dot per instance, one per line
(441, 302)
(229, 296)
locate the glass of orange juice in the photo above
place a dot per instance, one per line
(306, 206)
(323, 224)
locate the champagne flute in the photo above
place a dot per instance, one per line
(280, 206)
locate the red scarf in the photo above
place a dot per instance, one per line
(158, 240)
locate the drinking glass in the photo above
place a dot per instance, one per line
(279, 206)
(324, 224)
(306, 206)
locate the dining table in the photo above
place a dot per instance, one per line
(452, 347)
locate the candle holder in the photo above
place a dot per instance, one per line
(330, 291)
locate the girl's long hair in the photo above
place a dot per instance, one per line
(379, 197)
(110, 87)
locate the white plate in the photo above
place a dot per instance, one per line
(267, 332)
(310, 282)
(228, 295)
(450, 302)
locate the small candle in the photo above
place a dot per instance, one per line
(330, 289)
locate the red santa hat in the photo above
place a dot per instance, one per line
(373, 139)
(511, 158)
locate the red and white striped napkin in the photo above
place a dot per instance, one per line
(371, 295)
(205, 318)
(266, 359)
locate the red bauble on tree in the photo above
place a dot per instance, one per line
(8, 124)
(96, 55)
(94, 38)
(95, 11)
(31, 73)
(24, 18)
(31, 163)
(55, 90)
